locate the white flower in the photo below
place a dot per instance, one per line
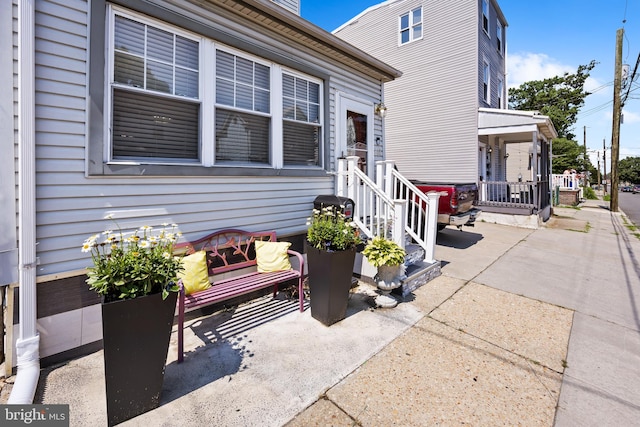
(166, 255)
(145, 228)
(94, 237)
(107, 232)
(86, 247)
(144, 244)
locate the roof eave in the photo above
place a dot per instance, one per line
(385, 72)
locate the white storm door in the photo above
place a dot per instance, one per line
(355, 131)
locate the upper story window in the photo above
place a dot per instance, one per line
(486, 82)
(411, 26)
(499, 35)
(500, 92)
(485, 16)
(161, 108)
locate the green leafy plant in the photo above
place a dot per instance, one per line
(589, 193)
(382, 251)
(330, 230)
(134, 264)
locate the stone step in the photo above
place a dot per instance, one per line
(416, 275)
(415, 254)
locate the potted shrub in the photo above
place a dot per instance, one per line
(136, 275)
(389, 258)
(331, 251)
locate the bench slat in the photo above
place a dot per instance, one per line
(217, 244)
(236, 286)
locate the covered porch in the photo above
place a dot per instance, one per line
(514, 162)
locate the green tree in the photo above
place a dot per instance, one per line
(629, 170)
(559, 97)
(567, 155)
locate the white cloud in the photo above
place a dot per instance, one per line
(525, 67)
(630, 117)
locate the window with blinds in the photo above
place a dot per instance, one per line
(164, 109)
(156, 110)
(301, 121)
(242, 136)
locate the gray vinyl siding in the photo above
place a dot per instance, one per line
(487, 46)
(8, 147)
(71, 204)
(431, 124)
(292, 5)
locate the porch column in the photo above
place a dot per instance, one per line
(534, 168)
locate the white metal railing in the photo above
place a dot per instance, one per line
(420, 221)
(392, 206)
(566, 182)
(374, 212)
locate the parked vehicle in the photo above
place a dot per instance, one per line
(636, 189)
(626, 189)
(456, 205)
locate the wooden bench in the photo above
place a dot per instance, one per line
(230, 251)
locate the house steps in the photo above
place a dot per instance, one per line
(418, 271)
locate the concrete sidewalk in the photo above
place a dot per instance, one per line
(524, 327)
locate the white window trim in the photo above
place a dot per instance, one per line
(411, 25)
(500, 92)
(486, 30)
(207, 97)
(500, 36)
(294, 73)
(486, 65)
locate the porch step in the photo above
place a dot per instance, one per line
(418, 274)
(415, 254)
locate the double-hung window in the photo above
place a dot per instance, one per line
(411, 26)
(499, 33)
(155, 96)
(486, 82)
(485, 16)
(300, 121)
(243, 119)
(176, 98)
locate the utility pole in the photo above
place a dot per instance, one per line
(585, 181)
(604, 163)
(615, 132)
(598, 155)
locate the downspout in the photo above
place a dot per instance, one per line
(28, 343)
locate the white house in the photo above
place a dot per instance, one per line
(447, 119)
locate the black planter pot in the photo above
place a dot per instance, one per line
(136, 334)
(329, 283)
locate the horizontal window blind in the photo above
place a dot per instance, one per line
(242, 137)
(154, 59)
(301, 144)
(154, 126)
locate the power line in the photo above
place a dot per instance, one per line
(631, 79)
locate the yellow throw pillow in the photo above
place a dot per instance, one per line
(195, 276)
(272, 256)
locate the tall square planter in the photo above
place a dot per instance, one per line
(330, 276)
(136, 334)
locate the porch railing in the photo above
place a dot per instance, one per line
(566, 182)
(383, 207)
(509, 193)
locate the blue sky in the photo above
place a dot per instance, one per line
(547, 38)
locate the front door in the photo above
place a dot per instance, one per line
(355, 131)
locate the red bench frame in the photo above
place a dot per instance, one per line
(232, 250)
